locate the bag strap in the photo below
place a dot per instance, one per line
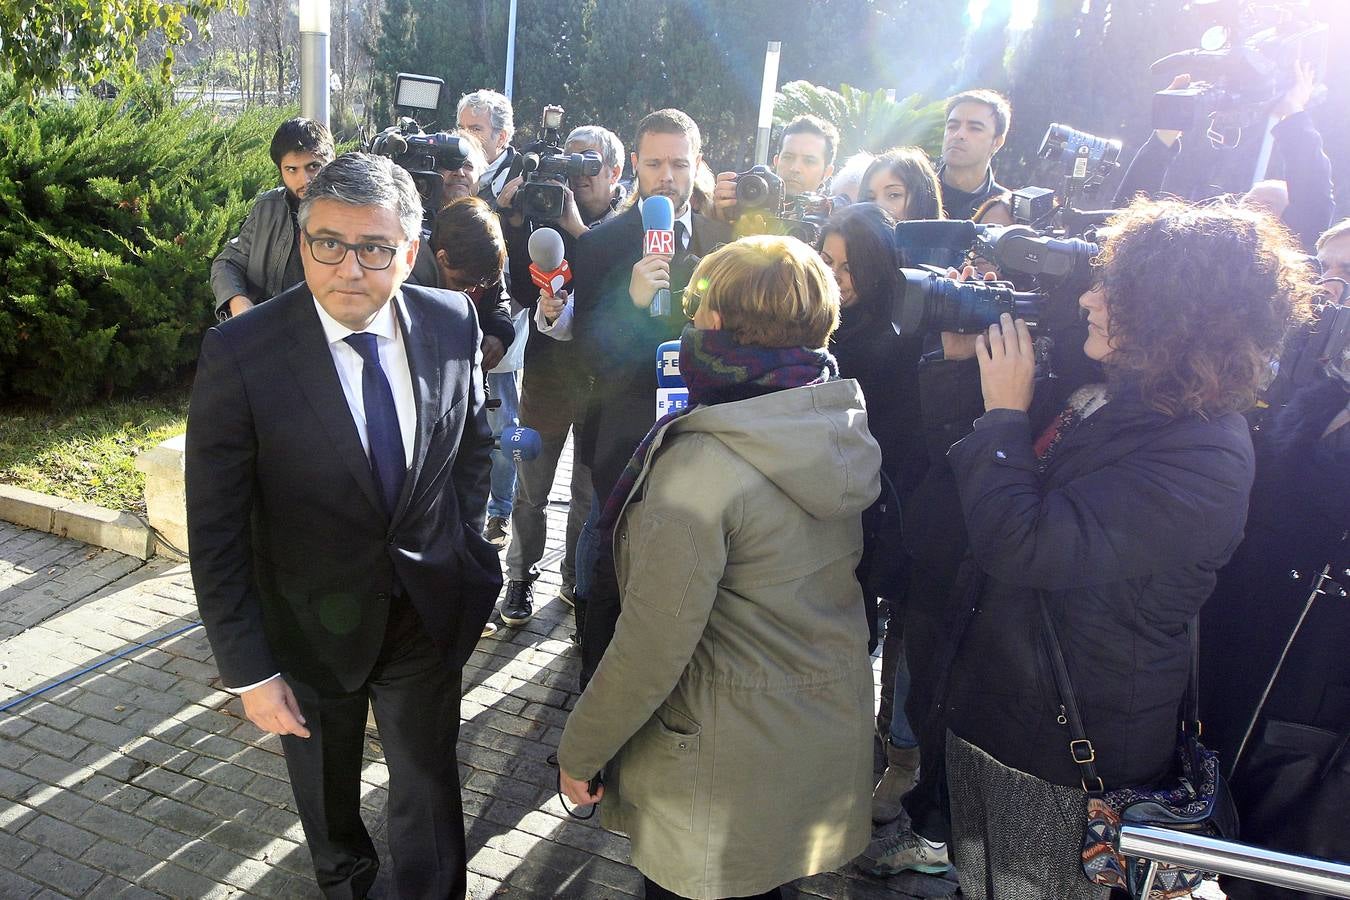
(1080, 748)
(1190, 704)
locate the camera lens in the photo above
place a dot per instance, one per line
(752, 191)
(927, 302)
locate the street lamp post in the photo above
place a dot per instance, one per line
(766, 95)
(314, 27)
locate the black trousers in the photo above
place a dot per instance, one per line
(415, 694)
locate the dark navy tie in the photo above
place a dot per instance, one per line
(382, 432)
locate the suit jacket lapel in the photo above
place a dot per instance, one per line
(421, 343)
(312, 364)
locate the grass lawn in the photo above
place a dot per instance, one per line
(88, 453)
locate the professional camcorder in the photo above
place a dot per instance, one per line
(422, 154)
(1086, 161)
(763, 207)
(1058, 271)
(548, 170)
(1245, 62)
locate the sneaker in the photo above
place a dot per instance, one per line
(907, 851)
(566, 594)
(517, 608)
(497, 530)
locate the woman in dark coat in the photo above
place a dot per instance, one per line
(1117, 518)
(858, 245)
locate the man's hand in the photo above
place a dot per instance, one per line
(1296, 98)
(954, 344)
(724, 191)
(570, 220)
(505, 199)
(273, 708)
(1007, 365)
(1169, 136)
(552, 305)
(578, 791)
(493, 351)
(650, 274)
(239, 304)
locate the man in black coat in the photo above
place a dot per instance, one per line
(337, 456)
(617, 335)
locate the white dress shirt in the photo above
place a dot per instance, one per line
(394, 361)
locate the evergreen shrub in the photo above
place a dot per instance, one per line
(110, 214)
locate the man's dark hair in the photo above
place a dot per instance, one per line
(301, 134)
(808, 124)
(993, 99)
(468, 231)
(669, 121)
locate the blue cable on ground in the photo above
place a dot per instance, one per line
(96, 666)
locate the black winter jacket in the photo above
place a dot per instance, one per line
(1124, 533)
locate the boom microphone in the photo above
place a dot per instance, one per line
(658, 219)
(548, 270)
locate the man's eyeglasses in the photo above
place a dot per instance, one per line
(331, 252)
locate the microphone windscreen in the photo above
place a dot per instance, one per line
(521, 443)
(668, 365)
(658, 214)
(546, 249)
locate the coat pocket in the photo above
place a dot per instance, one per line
(659, 772)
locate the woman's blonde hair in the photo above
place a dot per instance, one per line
(770, 291)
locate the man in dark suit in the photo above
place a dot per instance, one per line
(618, 336)
(337, 458)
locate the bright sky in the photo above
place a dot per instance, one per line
(1023, 13)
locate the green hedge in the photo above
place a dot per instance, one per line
(110, 215)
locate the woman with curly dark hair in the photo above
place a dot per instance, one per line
(1116, 518)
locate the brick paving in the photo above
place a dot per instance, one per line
(138, 777)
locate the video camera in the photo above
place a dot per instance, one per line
(764, 207)
(1057, 269)
(422, 154)
(1245, 62)
(548, 170)
(1086, 161)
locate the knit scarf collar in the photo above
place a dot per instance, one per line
(716, 369)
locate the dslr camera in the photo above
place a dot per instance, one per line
(421, 154)
(548, 170)
(1245, 62)
(763, 207)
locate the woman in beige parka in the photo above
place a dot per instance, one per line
(732, 712)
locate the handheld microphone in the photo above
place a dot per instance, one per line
(522, 443)
(671, 393)
(658, 220)
(548, 270)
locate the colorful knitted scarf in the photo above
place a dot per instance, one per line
(716, 369)
(1082, 403)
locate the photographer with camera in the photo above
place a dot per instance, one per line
(1103, 534)
(976, 129)
(264, 258)
(617, 335)
(556, 380)
(804, 162)
(487, 116)
(1308, 204)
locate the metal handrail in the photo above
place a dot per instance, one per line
(1207, 854)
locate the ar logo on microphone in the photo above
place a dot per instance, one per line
(659, 242)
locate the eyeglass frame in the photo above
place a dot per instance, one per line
(350, 248)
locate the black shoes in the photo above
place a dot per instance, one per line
(518, 607)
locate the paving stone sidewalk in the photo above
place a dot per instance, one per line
(134, 775)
